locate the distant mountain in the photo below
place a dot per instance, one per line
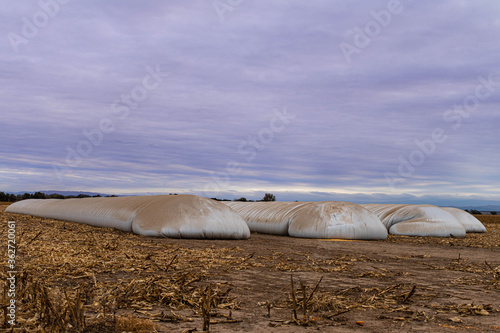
(66, 193)
(488, 208)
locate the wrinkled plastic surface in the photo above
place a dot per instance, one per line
(422, 220)
(470, 223)
(174, 216)
(328, 219)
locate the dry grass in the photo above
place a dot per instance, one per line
(78, 278)
(488, 219)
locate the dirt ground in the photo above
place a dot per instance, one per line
(77, 278)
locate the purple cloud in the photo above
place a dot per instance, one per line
(222, 80)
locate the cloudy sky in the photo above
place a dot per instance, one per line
(363, 101)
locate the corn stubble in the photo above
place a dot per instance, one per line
(75, 278)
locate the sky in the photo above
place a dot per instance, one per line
(361, 101)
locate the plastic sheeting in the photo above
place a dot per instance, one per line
(327, 219)
(174, 216)
(423, 220)
(469, 222)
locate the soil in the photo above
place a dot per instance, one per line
(115, 281)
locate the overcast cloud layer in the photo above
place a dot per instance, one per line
(363, 101)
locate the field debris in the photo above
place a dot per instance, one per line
(76, 278)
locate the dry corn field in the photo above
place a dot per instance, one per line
(77, 278)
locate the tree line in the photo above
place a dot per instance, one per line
(11, 197)
(476, 212)
(267, 197)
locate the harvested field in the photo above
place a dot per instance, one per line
(77, 278)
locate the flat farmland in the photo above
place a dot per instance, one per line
(77, 278)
